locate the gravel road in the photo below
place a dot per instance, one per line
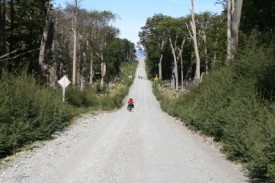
(143, 146)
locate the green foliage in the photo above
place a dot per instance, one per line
(28, 113)
(22, 34)
(258, 14)
(118, 51)
(106, 97)
(235, 105)
(262, 167)
(160, 28)
(85, 98)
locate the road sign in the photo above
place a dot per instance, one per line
(64, 82)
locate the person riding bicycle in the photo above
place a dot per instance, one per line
(130, 102)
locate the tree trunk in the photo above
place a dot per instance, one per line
(160, 59)
(3, 43)
(2, 27)
(75, 32)
(214, 61)
(53, 77)
(74, 57)
(103, 73)
(53, 71)
(78, 71)
(173, 81)
(181, 73)
(11, 32)
(205, 53)
(181, 62)
(175, 65)
(194, 37)
(160, 66)
(43, 66)
(91, 69)
(82, 79)
(234, 11)
(229, 52)
(81, 71)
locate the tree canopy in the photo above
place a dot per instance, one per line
(30, 28)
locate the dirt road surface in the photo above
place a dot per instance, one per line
(143, 146)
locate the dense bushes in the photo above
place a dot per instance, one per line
(235, 105)
(107, 97)
(29, 112)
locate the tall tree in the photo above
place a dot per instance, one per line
(176, 39)
(193, 35)
(74, 12)
(104, 33)
(22, 29)
(46, 43)
(62, 64)
(234, 11)
(155, 32)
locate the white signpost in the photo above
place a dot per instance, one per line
(64, 82)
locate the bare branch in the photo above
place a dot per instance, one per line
(189, 31)
(8, 54)
(16, 56)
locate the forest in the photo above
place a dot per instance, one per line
(216, 73)
(39, 44)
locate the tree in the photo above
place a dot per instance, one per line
(193, 35)
(129, 50)
(46, 43)
(2, 27)
(176, 42)
(102, 36)
(258, 15)
(216, 39)
(74, 12)
(234, 11)
(155, 32)
(21, 28)
(61, 64)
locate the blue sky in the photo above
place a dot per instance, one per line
(133, 14)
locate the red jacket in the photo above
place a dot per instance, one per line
(130, 101)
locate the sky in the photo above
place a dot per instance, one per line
(132, 15)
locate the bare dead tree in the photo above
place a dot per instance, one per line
(181, 62)
(193, 35)
(177, 54)
(175, 65)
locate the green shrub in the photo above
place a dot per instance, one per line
(28, 113)
(85, 98)
(235, 105)
(97, 97)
